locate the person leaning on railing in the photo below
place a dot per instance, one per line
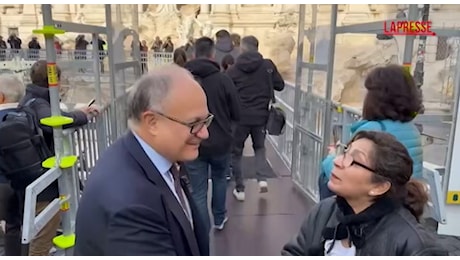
(391, 103)
(39, 90)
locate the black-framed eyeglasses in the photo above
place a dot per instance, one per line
(348, 160)
(196, 126)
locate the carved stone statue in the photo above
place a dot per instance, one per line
(205, 28)
(185, 30)
(281, 47)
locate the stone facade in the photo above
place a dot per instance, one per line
(275, 25)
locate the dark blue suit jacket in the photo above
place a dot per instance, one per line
(128, 209)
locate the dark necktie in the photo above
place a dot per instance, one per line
(175, 173)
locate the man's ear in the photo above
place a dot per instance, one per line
(150, 121)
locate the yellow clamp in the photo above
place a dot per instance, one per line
(339, 109)
(65, 205)
(48, 30)
(453, 197)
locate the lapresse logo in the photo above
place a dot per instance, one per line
(420, 28)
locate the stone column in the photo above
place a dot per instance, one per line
(221, 8)
(61, 12)
(30, 18)
(205, 8)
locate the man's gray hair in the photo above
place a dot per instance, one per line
(147, 94)
(249, 43)
(11, 87)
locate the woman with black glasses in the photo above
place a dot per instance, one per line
(377, 207)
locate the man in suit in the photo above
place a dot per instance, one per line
(135, 201)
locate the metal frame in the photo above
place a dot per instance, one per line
(67, 178)
(450, 180)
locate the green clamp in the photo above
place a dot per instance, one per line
(48, 30)
(65, 163)
(64, 242)
(56, 121)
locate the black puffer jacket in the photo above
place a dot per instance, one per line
(395, 234)
(251, 77)
(223, 103)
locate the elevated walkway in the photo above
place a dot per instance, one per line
(264, 222)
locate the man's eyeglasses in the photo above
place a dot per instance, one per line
(347, 159)
(195, 127)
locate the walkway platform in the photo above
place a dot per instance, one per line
(264, 222)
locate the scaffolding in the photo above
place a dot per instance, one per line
(315, 116)
(62, 167)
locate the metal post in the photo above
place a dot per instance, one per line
(100, 133)
(298, 89)
(312, 39)
(56, 121)
(330, 73)
(96, 67)
(110, 46)
(118, 18)
(54, 88)
(419, 65)
(447, 174)
(136, 40)
(409, 43)
(450, 181)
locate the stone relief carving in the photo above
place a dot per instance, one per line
(286, 21)
(186, 29)
(281, 46)
(205, 28)
(16, 8)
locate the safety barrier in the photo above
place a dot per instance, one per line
(149, 57)
(91, 140)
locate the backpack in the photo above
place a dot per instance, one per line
(22, 146)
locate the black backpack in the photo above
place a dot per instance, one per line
(22, 146)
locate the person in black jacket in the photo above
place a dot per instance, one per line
(377, 208)
(215, 152)
(254, 78)
(41, 106)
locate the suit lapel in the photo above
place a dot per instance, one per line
(154, 176)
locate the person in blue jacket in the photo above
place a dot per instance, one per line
(391, 103)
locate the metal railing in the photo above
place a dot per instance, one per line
(70, 54)
(90, 140)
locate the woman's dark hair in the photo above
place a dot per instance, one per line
(180, 57)
(392, 162)
(391, 94)
(227, 61)
(39, 73)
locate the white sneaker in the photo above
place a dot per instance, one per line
(263, 185)
(239, 195)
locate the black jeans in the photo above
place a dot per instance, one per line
(258, 143)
